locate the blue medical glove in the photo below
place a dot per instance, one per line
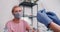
(54, 17)
(43, 18)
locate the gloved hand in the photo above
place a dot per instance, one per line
(54, 17)
(43, 18)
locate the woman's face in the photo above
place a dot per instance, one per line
(17, 12)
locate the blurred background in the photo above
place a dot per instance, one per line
(6, 15)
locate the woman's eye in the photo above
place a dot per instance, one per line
(16, 11)
(19, 10)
